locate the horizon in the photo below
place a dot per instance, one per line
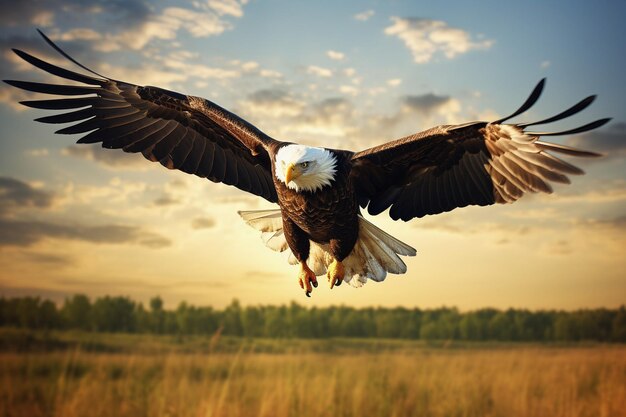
(63, 298)
(79, 219)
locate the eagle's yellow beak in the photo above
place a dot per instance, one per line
(291, 173)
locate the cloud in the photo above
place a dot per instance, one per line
(272, 102)
(508, 229)
(267, 73)
(16, 194)
(608, 192)
(36, 12)
(47, 259)
(228, 7)
(284, 114)
(254, 68)
(263, 276)
(613, 224)
(349, 90)
(394, 82)
(337, 56)
(427, 104)
(37, 152)
(331, 117)
(425, 38)
(364, 16)
(319, 71)
(202, 223)
(134, 24)
(415, 112)
(109, 158)
(200, 71)
(11, 97)
(29, 232)
(81, 34)
(611, 141)
(166, 200)
(560, 247)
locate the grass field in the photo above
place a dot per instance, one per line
(69, 374)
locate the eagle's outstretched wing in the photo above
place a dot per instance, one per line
(182, 132)
(477, 163)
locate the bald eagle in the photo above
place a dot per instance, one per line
(320, 192)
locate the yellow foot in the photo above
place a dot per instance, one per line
(335, 273)
(307, 279)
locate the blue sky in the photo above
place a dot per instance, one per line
(337, 74)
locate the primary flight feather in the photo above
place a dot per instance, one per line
(320, 191)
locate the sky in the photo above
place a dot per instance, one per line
(350, 74)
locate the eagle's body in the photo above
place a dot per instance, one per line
(319, 191)
(327, 216)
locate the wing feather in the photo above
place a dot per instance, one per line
(181, 132)
(477, 163)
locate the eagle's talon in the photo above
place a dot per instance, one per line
(335, 273)
(307, 279)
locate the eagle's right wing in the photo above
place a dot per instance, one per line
(181, 132)
(477, 163)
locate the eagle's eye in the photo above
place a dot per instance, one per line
(303, 165)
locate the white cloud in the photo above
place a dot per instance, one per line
(319, 71)
(349, 89)
(337, 56)
(270, 73)
(425, 38)
(81, 34)
(203, 20)
(147, 74)
(349, 72)
(394, 82)
(254, 68)
(201, 71)
(38, 152)
(250, 66)
(364, 16)
(228, 7)
(545, 64)
(375, 91)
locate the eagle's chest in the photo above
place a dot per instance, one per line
(321, 214)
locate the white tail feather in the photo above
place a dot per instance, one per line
(374, 254)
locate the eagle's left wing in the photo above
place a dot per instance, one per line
(477, 163)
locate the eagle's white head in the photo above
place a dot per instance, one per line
(305, 168)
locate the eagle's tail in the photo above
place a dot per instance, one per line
(374, 254)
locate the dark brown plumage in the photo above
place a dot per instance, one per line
(438, 170)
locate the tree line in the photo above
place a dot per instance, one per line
(122, 314)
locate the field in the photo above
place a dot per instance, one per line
(74, 374)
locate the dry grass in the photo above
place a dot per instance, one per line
(507, 382)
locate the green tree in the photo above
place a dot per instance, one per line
(76, 312)
(114, 314)
(157, 315)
